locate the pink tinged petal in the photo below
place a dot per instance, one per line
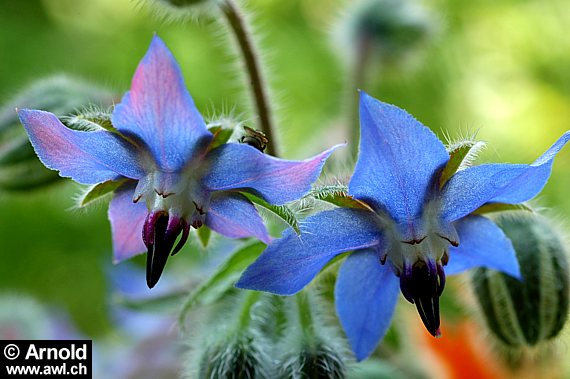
(366, 293)
(86, 157)
(234, 216)
(398, 160)
(482, 244)
(291, 262)
(127, 220)
(159, 110)
(502, 183)
(242, 167)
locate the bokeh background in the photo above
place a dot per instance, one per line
(501, 68)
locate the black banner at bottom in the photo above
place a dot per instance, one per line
(45, 359)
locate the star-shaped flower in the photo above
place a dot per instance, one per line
(414, 216)
(175, 178)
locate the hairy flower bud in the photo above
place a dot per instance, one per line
(236, 358)
(61, 95)
(181, 9)
(182, 3)
(526, 312)
(23, 317)
(318, 362)
(388, 28)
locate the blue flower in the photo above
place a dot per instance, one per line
(413, 222)
(176, 179)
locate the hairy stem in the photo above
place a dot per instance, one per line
(241, 33)
(244, 315)
(305, 316)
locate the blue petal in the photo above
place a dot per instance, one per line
(159, 110)
(292, 261)
(127, 220)
(397, 160)
(234, 216)
(366, 294)
(238, 166)
(482, 244)
(505, 183)
(86, 157)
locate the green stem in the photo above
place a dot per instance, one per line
(244, 315)
(241, 33)
(305, 316)
(359, 75)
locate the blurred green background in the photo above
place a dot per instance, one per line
(501, 68)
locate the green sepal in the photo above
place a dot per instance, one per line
(221, 135)
(501, 207)
(337, 194)
(99, 190)
(204, 234)
(90, 118)
(460, 154)
(222, 279)
(282, 211)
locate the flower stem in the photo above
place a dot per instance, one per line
(305, 315)
(358, 79)
(241, 33)
(244, 315)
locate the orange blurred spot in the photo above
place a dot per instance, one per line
(462, 355)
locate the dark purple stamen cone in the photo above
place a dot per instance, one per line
(185, 233)
(421, 284)
(159, 235)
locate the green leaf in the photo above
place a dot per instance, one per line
(460, 154)
(97, 191)
(337, 194)
(282, 211)
(222, 279)
(221, 135)
(501, 207)
(204, 234)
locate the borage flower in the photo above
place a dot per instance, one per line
(175, 178)
(415, 215)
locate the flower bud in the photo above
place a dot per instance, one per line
(181, 9)
(387, 28)
(61, 95)
(237, 358)
(183, 3)
(527, 312)
(317, 361)
(311, 348)
(23, 317)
